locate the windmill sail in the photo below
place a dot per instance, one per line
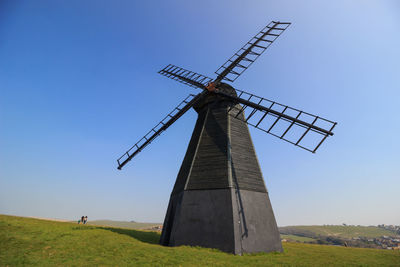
(175, 114)
(295, 126)
(184, 76)
(246, 55)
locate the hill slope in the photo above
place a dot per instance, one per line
(25, 241)
(130, 225)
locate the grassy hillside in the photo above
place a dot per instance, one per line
(130, 225)
(336, 230)
(25, 241)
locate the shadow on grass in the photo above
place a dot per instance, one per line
(147, 237)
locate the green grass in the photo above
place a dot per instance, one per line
(340, 231)
(130, 225)
(25, 241)
(298, 238)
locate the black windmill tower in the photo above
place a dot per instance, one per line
(219, 199)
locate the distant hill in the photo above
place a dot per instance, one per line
(33, 242)
(335, 230)
(124, 224)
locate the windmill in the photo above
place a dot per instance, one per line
(219, 199)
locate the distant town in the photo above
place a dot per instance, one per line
(393, 228)
(382, 236)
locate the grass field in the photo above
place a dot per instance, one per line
(338, 231)
(26, 241)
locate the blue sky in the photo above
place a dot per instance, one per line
(79, 86)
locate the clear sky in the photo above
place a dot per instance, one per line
(79, 86)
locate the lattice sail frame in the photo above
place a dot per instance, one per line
(284, 122)
(246, 55)
(170, 118)
(185, 76)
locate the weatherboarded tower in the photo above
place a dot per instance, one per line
(219, 199)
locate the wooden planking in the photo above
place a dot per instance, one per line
(209, 168)
(206, 163)
(245, 167)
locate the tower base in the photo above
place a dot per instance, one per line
(234, 221)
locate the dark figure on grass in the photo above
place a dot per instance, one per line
(83, 220)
